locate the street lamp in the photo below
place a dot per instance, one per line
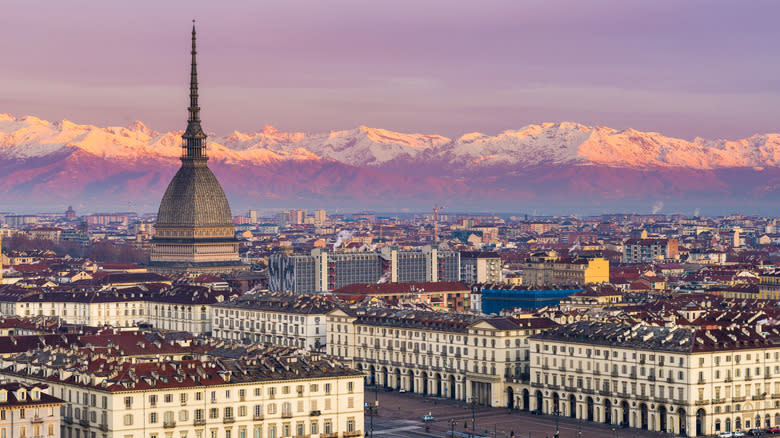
(557, 418)
(452, 427)
(473, 403)
(371, 409)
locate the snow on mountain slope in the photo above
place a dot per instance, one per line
(551, 143)
(563, 143)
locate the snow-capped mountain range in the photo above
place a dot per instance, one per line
(63, 162)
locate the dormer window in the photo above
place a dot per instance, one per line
(21, 395)
(35, 394)
(3, 395)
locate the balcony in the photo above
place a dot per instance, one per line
(199, 422)
(229, 420)
(169, 424)
(104, 427)
(84, 422)
(651, 377)
(67, 419)
(315, 413)
(604, 392)
(758, 397)
(353, 433)
(258, 417)
(702, 402)
(615, 374)
(537, 385)
(287, 415)
(738, 399)
(37, 419)
(642, 397)
(588, 391)
(329, 435)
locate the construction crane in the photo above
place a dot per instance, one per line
(436, 209)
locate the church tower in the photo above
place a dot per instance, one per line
(194, 230)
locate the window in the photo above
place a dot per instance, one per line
(327, 388)
(168, 398)
(128, 418)
(153, 417)
(242, 411)
(183, 415)
(213, 413)
(128, 403)
(183, 398)
(153, 400)
(228, 412)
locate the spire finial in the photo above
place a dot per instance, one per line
(194, 137)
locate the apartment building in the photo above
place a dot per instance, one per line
(480, 267)
(769, 285)
(691, 382)
(455, 355)
(268, 393)
(274, 318)
(644, 250)
(177, 308)
(548, 269)
(28, 411)
(325, 270)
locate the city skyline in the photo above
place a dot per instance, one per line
(445, 68)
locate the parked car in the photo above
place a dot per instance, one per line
(537, 412)
(755, 432)
(428, 417)
(401, 390)
(773, 429)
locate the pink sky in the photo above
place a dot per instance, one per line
(694, 68)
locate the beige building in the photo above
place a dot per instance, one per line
(480, 267)
(548, 269)
(459, 356)
(181, 308)
(28, 411)
(269, 395)
(682, 381)
(274, 318)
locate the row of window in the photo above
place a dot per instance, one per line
(242, 393)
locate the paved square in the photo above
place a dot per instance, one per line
(400, 415)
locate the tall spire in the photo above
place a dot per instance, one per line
(194, 145)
